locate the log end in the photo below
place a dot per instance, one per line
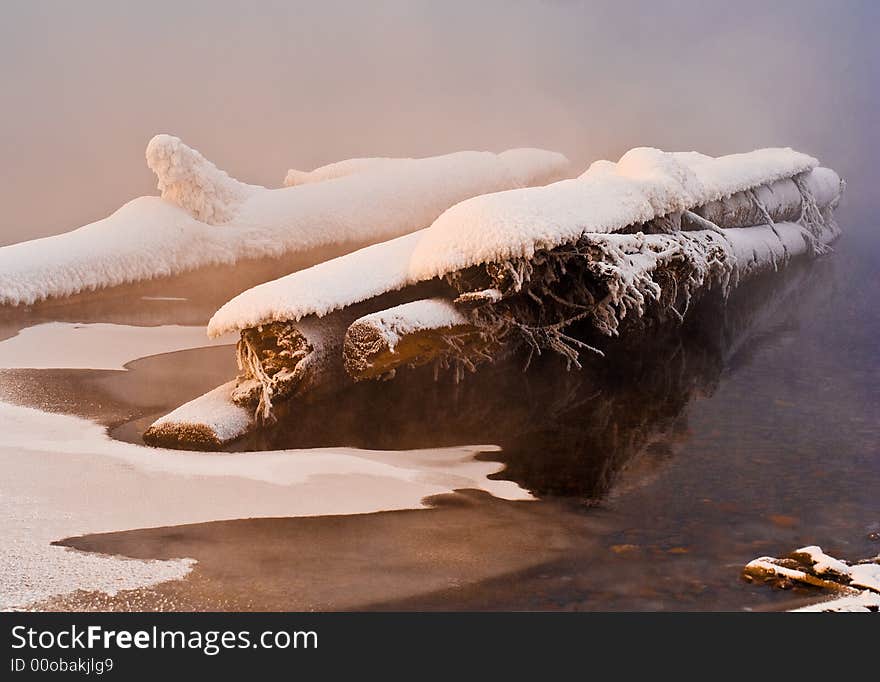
(182, 436)
(371, 352)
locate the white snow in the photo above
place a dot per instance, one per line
(215, 412)
(57, 345)
(862, 602)
(865, 575)
(322, 288)
(860, 575)
(153, 237)
(824, 563)
(530, 166)
(432, 313)
(187, 179)
(63, 476)
(339, 169)
(644, 184)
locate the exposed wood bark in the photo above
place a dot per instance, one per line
(285, 360)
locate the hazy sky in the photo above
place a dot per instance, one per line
(259, 87)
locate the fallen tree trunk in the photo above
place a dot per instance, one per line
(283, 360)
(638, 272)
(409, 335)
(205, 423)
(601, 278)
(278, 362)
(782, 201)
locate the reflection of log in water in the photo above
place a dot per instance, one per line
(562, 433)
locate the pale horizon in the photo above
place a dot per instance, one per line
(294, 85)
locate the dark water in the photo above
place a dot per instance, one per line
(659, 470)
(754, 429)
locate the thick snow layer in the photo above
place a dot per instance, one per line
(152, 237)
(339, 169)
(64, 476)
(96, 346)
(530, 166)
(644, 184)
(322, 288)
(401, 320)
(187, 179)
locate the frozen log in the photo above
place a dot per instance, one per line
(206, 218)
(527, 265)
(188, 180)
(781, 200)
(284, 360)
(629, 275)
(278, 361)
(409, 335)
(516, 246)
(205, 423)
(644, 185)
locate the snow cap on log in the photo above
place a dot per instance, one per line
(152, 237)
(644, 184)
(188, 180)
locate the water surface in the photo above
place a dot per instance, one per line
(657, 472)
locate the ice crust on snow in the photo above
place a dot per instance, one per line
(644, 184)
(206, 218)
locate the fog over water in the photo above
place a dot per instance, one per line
(265, 86)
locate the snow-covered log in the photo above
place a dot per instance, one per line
(278, 362)
(410, 335)
(524, 266)
(206, 218)
(284, 360)
(640, 270)
(205, 423)
(781, 200)
(645, 185)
